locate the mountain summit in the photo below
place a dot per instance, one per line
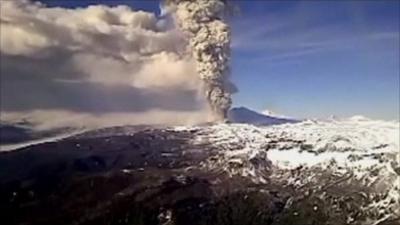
(245, 115)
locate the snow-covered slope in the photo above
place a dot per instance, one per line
(358, 151)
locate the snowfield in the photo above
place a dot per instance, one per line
(348, 143)
(356, 150)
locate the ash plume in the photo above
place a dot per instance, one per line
(209, 40)
(110, 65)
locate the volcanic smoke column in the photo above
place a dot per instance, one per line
(209, 41)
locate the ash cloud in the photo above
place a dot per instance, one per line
(95, 61)
(202, 21)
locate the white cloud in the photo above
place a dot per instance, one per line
(109, 46)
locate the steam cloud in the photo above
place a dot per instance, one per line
(209, 41)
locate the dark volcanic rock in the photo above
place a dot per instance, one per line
(156, 176)
(77, 180)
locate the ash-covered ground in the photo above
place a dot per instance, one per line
(301, 173)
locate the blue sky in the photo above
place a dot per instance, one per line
(310, 58)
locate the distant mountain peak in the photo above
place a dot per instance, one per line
(245, 115)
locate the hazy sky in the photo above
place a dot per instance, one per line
(310, 58)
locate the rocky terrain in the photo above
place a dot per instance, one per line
(301, 173)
